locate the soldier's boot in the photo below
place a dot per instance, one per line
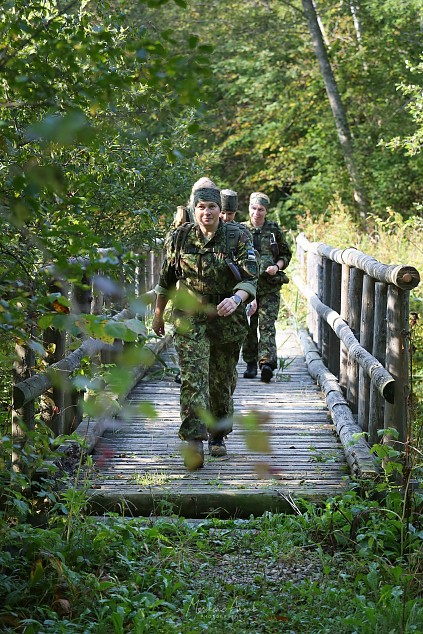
(251, 371)
(266, 373)
(217, 447)
(193, 455)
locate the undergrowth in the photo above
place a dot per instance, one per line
(335, 568)
(351, 565)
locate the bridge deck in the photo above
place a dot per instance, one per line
(139, 469)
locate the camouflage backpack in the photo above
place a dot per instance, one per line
(233, 234)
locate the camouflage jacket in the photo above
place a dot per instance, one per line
(262, 241)
(200, 264)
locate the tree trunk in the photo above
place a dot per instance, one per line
(336, 105)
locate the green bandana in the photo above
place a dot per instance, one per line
(207, 194)
(257, 198)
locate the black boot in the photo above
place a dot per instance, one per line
(266, 373)
(251, 371)
(217, 447)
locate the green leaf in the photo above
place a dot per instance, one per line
(37, 348)
(147, 409)
(115, 329)
(136, 326)
(37, 572)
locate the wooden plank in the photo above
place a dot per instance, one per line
(139, 469)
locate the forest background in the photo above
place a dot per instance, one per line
(109, 111)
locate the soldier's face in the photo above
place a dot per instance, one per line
(227, 216)
(257, 214)
(207, 215)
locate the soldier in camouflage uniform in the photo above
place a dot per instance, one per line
(228, 212)
(275, 256)
(212, 279)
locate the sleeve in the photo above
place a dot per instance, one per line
(247, 263)
(168, 278)
(285, 252)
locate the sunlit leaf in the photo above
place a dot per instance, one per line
(147, 409)
(37, 571)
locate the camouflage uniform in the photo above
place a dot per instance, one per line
(263, 321)
(243, 228)
(208, 346)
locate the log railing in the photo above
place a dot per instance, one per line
(59, 402)
(358, 333)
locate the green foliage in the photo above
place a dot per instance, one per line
(305, 572)
(97, 111)
(269, 119)
(94, 112)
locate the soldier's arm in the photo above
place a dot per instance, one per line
(167, 282)
(158, 321)
(168, 278)
(247, 263)
(285, 253)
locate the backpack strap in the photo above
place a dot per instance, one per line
(233, 234)
(179, 238)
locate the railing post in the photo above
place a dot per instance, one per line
(355, 298)
(309, 278)
(81, 303)
(397, 358)
(335, 303)
(366, 340)
(302, 261)
(52, 402)
(343, 354)
(326, 293)
(318, 285)
(377, 403)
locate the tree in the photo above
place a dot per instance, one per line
(336, 105)
(268, 124)
(96, 114)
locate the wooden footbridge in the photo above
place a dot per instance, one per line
(139, 468)
(304, 435)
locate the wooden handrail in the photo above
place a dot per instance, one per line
(37, 384)
(405, 277)
(383, 381)
(60, 402)
(365, 303)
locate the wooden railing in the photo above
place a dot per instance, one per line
(51, 391)
(358, 333)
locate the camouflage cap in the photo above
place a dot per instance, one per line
(259, 199)
(207, 194)
(229, 200)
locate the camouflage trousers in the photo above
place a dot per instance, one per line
(263, 349)
(207, 355)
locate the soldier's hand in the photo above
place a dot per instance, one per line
(253, 307)
(273, 269)
(227, 307)
(158, 325)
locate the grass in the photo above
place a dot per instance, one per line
(156, 478)
(278, 573)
